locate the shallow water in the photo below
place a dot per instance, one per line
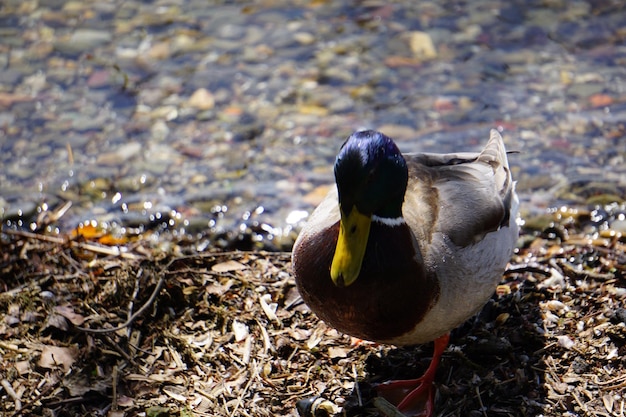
(178, 115)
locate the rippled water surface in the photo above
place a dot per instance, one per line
(199, 115)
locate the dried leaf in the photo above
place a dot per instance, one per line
(608, 403)
(22, 367)
(228, 266)
(202, 340)
(241, 331)
(565, 342)
(299, 334)
(175, 392)
(124, 401)
(55, 356)
(87, 231)
(68, 312)
(338, 352)
(219, 288)
(78, 384)
(316, 337)
(269, 308)
(58, 321)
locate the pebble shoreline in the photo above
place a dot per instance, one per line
(227, 118)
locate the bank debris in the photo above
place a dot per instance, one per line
(90, 325)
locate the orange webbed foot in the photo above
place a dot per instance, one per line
(415, 397)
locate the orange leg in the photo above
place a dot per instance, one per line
(415, 397)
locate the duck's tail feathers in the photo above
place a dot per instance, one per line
(495, 153)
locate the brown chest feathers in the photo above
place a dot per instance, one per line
(392, 293)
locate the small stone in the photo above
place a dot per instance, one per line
(585, 90)
(35, 82)
(167, 113)
(469, 33)
(600, 100)
(160, 51)
(84, 39)
(99, 79)
(399, 132)
(567, 77)
(304, 38)
(159, 130)
(182, 43)
(121, 154)
(313, 109)
(202, 99)
(422, 45)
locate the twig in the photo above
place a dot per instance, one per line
(577, 273)
(582, 406)
(59, 212)
(233, 254)
(114, 389)
(612, 384)
(133, 297)
(480, 401)
(293, 303)
(134, 316)
(116, 348)
(267, 343)
(10, 346)
(35, 400)
(36, 236)
(9, 389)
(70, 153)
(357, 390)
(253, 375)
(528, 267)
(103, 250)
(31, 285)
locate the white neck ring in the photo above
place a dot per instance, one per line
(391, 222)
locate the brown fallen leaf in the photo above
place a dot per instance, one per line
(338, 352)
(54, 356)
(58, 321)
(175, 392)
(220, 288)
(68, 312)
(228, 266)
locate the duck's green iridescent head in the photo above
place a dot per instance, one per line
(371, 176)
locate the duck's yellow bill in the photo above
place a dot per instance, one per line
(354, 230)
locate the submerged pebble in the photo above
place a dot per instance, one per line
(247, 106)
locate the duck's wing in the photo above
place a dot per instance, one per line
(464, 196)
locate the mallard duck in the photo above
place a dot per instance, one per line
(407, 247)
